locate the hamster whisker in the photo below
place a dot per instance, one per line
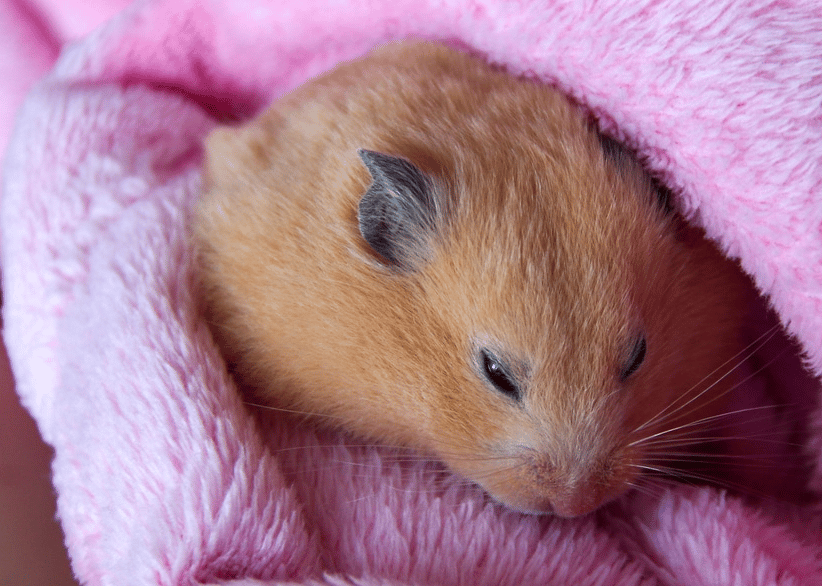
(729, 390)
(739, 384)
(687, 430)
(660, 472)
(738, 360)
(293, 411)
(603, 402)
(688, 440)
(709, 458)
(673, 409)
(384, 461)
(644, 487)
(689, 436)
(651, 468)
(652, 486)
(647, 489)
(706, 471)
(279, 450)
(679, 466)
(424, 490)
(663, 471)
(724, 483)
(693, 425)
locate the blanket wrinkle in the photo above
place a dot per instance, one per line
(165, 476)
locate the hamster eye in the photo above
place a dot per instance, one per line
(635, 360)
(496, 374)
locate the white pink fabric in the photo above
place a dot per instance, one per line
(162, 475)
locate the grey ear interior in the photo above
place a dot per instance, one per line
(397, 215)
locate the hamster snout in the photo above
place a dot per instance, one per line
(446, 257)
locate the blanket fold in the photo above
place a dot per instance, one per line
(164, 476)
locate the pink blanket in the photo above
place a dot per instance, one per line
(163, 476)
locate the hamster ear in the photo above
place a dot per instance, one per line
(616, 154)
(398, 213)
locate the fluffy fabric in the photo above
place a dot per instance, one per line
(163, 476)
(31, 35)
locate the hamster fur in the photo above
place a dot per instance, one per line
(446, 257)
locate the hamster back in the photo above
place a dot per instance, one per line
(442, 256)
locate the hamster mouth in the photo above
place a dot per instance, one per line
(536, 486)
(571, 502)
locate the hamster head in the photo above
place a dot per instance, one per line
(438, 255)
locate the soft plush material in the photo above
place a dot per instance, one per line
(31, 35)
(164, 476)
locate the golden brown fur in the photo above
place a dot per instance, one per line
(550, 251)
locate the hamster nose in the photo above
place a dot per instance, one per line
(586, 496)
(580, 502)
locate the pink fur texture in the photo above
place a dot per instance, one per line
(162, 475)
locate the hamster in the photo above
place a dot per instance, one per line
(443, 256)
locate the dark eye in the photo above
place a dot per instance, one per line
(635, 361)
(496, 374)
